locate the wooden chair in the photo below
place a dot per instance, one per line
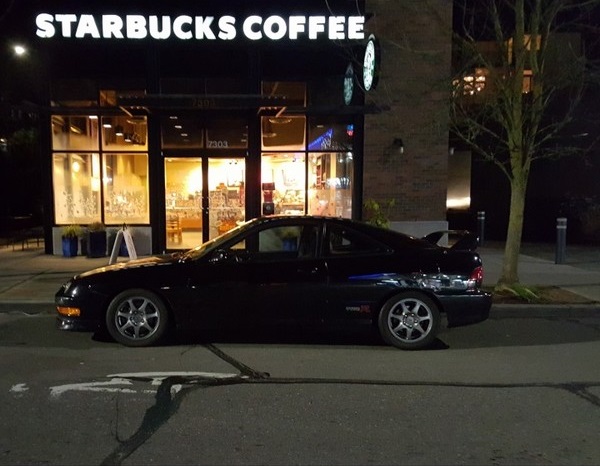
(174, 231)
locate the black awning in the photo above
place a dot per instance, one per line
(200, 102)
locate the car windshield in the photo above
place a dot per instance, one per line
(215, 243)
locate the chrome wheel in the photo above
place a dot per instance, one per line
(136, 318)
(409, 321)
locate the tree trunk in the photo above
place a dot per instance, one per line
(512, 248)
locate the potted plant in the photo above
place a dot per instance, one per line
(70, 239)
(96, 239)
(378, 213)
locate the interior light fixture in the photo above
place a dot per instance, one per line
(268, 132)
(278, 119)
(119, 130)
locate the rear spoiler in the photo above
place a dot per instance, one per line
(460, 240)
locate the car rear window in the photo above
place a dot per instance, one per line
(346, 241)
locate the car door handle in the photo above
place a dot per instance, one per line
(311, 271)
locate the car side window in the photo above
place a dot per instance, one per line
(278, 243)
(342, 241)
(279, 239)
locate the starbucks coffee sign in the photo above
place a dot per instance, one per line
(208, 28)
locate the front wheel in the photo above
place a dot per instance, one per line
(409, 321)
(137, 318)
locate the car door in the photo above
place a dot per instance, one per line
(212, 292)
(287, 278)
(273, 274)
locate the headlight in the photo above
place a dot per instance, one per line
(66, 286)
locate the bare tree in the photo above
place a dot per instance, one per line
(523, 73)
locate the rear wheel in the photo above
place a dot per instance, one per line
(409, 320)
(137, 318)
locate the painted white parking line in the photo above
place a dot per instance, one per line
(110, 386)
(122, 382)
(19, 388)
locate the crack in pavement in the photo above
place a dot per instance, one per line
(168, 401)
(165, 406)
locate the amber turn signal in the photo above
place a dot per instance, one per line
(69, 311)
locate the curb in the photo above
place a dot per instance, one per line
(498, 311)
(27, 307)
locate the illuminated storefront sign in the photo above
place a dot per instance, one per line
(186, 27)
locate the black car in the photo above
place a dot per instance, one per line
(281, 269)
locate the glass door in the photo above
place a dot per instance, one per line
(183, 202)
(199, 207)
(226, 194)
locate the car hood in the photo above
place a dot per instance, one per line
(151, 261)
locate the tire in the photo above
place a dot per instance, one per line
(137, 318)
(409, 321)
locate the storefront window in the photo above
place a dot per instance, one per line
(283, 132)
(330, 181)
(74, 133)
(125, 133)
(125, 182)
(283, 183)
(76, 180)
(130, 88)
(227, 134)
(180, 132)
(328, 136)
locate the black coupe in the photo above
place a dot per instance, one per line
(280, 269)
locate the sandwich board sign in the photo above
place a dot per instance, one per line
(123, 235)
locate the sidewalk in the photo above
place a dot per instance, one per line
(29, 279)
(580, 273)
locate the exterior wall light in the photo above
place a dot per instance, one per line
(19, 50)
(399, 145)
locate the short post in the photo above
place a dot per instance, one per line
(480, 226)
(561, 240)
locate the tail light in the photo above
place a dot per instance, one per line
(477, 276)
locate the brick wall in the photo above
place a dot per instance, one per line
(415, 41)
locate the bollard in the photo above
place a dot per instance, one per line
(480, 226)
(561, 240)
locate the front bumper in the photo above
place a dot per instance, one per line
(77, 324)
(88, 320)
(466, 309)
